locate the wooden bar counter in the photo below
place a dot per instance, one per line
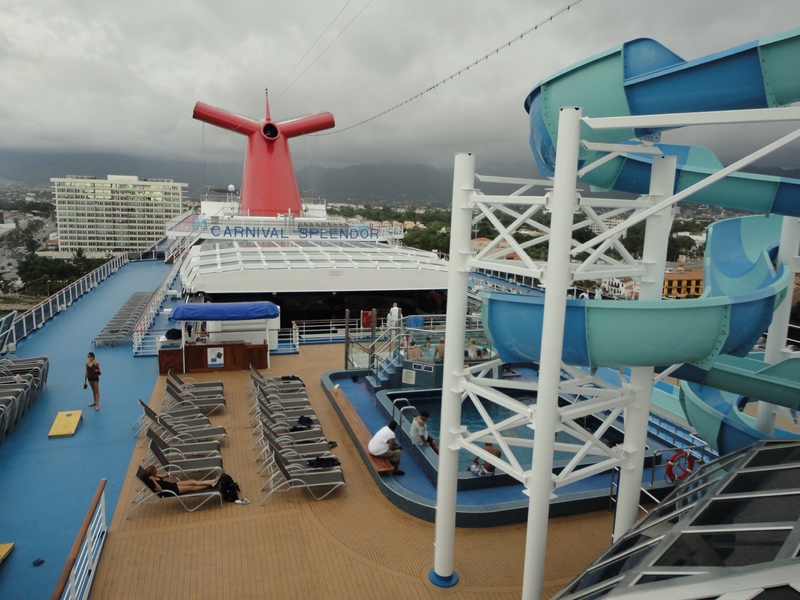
(205, 357)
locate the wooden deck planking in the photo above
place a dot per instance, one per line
(353, 544)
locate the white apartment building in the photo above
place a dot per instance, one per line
(117, 214)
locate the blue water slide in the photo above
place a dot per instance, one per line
(643, 77)
(719, 420)
(740, 295)
(712, 335)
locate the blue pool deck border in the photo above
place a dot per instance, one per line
(415, 494)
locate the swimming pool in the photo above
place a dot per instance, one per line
(481, 501)
(471, 418)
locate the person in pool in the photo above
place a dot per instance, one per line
(413, 351)
(484, 469)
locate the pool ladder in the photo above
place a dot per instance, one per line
(396, 408)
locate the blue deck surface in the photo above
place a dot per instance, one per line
(49, 483)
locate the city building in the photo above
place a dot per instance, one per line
(683, 284)
(117, 214)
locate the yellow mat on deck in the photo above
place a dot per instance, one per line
(66, 423)
(5, 550)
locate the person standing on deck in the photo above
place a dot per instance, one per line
(384, 445)
(92, 376)
(395, 314)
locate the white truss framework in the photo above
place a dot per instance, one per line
(603, 255)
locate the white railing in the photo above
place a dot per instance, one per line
(142, 327)
(288, 340)
(36, 317)
(81, 566)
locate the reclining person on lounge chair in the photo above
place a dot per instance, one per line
(163, 488)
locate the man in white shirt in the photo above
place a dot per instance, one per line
(394, 315)
(383, 444)
(419, 432)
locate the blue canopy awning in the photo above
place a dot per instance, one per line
(224, 311)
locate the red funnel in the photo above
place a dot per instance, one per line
(269, 186)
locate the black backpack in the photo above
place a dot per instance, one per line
(228, 488)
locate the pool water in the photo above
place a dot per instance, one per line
(471, 418)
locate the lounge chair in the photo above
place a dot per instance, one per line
(178, 414)
(175, 431)
(292, 423)
(295, 399)
(282, 383)
(281, 392)
(187, 435)
(190, 501)
(189, 384)
(207, 401)
(183, 451)
(188, 468)
(273, 402)
(191, 418)
(285, 414)
(283, 435)
(290, 450)
(319, 483)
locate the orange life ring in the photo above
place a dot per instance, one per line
(679, 466)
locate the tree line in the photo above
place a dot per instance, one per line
(435, 233)
(42, 275)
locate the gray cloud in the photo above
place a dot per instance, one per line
(123, 77)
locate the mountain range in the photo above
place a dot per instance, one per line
(372, 184)
(385, 184)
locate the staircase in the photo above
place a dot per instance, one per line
(386, 375)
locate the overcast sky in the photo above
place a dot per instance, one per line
(123, 77)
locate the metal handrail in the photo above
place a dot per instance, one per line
(413, 409)
(614, 486)
(142, 327)
(395, 404)
(81, 566)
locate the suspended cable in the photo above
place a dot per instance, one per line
(460, 71)
(278, 87)
(358, 14)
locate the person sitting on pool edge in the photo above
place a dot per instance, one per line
(384, 445)
(484, 469)
(419, 432)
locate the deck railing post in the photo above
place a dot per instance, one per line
(442, 573)
(557, 279)
(654, 253)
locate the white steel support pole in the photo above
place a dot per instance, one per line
(442, 573)
(779, 328)
(654, 256)
(557, 281)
